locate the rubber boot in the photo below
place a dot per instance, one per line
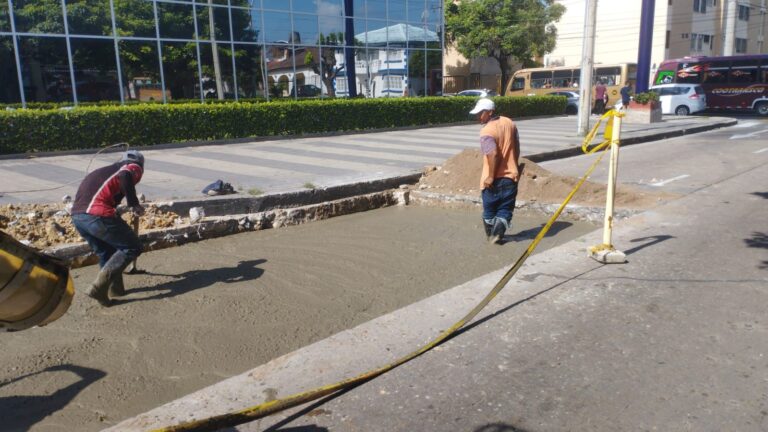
(99, 289)
(488, 228)
(497, 232)
(116, 288)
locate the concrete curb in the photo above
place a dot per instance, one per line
(643, 137)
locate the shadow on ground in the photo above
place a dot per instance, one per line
(499, 427)
(20, 413)
(532, 232)
(197, 279)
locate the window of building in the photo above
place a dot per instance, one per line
(699, 42)
(743, 13)
(666, 40)
(700, 6)
(741, 45)
(393, 82)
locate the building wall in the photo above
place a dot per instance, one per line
(165, 50)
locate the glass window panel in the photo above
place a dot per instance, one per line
(45, 69)
(376, 9)
(305, 29)
(180, 70)
(331, 30)
(9, 91)
(360, 36)
(277, 27)
(308, 81)
(434, 72)
(279, 71)
(176, 21)
(417, 12)
(95, 70)
(282, 5)
(250, 71)
(396, 11)
(38, 16)
(364, 72)
(217, 79)
(91, 17)
(330, 7)
(417, 36)
(246, 25)
(220, 18)
(417, 73)
(135, 18)
(141, 71)
(306, 6)
(5, 23)
(329, 67)
(691, 72)
(358, 7)
(434, 12)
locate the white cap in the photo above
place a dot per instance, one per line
(483, 104)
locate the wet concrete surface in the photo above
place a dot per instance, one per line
(210, 310)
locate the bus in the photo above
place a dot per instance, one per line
(733, 82)
(545, 80)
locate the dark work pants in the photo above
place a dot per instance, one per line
(106, 235)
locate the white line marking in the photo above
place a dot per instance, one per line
(761, 150)
(663, 182)
(747, 124)
(749, 135)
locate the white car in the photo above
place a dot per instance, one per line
(681, 99)
(477, 93)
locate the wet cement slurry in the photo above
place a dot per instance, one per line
(210, 310)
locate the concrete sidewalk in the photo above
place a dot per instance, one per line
(272, 165)
(674, 340)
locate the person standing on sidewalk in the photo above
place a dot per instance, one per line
(626, 94)
(95, 217)
(600, 97)
(500, 146)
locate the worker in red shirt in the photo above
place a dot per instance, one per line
(95, 217)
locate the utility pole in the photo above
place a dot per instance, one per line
(215, 54)
(730, 28)
(587, 63)
(646, 46)
(761, 37)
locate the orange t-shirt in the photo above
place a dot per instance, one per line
(500, 134)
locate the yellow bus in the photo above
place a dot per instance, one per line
(545, 80)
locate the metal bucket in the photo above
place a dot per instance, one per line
(35, 289)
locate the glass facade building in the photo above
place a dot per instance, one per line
(163, 50)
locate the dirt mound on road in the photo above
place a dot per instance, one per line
(460, 175)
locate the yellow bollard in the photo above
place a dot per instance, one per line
(606, 253)
(35, 289)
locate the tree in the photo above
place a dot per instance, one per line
(503, 29)
(327, 66)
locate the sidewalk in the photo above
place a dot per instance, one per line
(282, 165)
(675, 340)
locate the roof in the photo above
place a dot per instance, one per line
(398, 33)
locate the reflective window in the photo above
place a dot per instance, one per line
(176, 21)
(376, 9)
(217, 78)
(95, 69)
(89, 17)
(279, 71)
(180, 70)
(38, 16)
(9, 91)
(306, 6)
(434, 13)
(417, 12)
(283, 5)
(141, 71)
(250, 76)
(5, 23)
(358, 7)
(331, 30)
(330, 7)
(308, 77)
(360, 36)
(219, 16)
(434, 72)
(418, 36)
(305, 29)
(397, 11)
(45, 69)
(135, 18)
(246, 25)
(416, 72)
(277, 27)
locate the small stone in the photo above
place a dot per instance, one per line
(142, 198)
(423, 186)
(404, 186)
(196, 214)
(66, 199)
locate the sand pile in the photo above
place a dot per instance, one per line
(460, 175)
(46, 225)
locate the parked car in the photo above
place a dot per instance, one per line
(308, 90)
(681, 99)
(477, 93)
(572, 104)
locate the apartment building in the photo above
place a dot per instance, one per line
(681, 28)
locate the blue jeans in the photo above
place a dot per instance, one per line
(106, 235)
(499, 200)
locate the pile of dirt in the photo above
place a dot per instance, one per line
(46, 225)
(460, 175)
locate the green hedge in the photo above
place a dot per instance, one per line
(29, 130)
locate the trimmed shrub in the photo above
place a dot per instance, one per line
(28, 130)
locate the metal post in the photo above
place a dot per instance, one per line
(16, 54)
(232, 50)
(730, 28)
(215, 53)
(69, 52)
(197, 52)
(160, 50)
(587, 61)
(349, 49)
(646, 45)
(117, 52)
